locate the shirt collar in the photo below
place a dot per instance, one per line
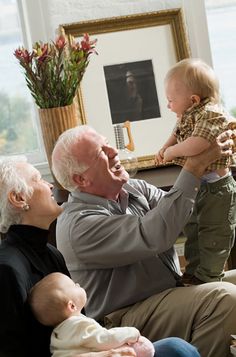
(88, 198)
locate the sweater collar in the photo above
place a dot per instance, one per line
(34, 237)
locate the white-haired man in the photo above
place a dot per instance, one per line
(119, 246)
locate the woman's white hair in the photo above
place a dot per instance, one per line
(64, 163)
(11, 181)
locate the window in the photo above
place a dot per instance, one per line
(221, 18)
(18, 128)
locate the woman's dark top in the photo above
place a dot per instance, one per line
(25, 258)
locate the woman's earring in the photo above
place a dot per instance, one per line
(26, 207)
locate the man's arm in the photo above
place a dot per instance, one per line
(137, 235)
(132, 237)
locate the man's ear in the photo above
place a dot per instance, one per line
(81, 180)
(195, 99)
(16, 199)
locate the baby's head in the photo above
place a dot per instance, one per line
(188, 82)
(55, 298)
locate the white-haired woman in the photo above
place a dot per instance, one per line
(27, 208)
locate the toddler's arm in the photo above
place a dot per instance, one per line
(189, 147)
(160, 155)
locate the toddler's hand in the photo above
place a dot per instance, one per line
(160, 156)
(168, 156)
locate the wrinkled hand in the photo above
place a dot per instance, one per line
(124, 351)
(226, 143)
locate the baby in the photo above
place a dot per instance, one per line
(57, 301)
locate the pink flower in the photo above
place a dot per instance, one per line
(53, 71)
(60, 42)
(41, 51)
(87, 45)
(23, 55)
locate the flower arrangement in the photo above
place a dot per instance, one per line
(53, 71)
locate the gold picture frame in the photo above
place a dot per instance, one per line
(157, 38)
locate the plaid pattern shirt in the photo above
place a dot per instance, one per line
(207, 121)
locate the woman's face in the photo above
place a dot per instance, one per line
(43, 209)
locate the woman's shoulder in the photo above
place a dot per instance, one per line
(12, 260)
(14, 270)
(8, 252)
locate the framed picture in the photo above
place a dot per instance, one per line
(125, 81)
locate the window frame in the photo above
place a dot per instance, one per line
(33, 18)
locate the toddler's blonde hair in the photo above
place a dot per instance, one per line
(197, 76)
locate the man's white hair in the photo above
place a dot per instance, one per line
(64, 163)
(11, 181)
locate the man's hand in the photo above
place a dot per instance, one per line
(223, 146)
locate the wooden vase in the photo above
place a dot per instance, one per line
(54, 121)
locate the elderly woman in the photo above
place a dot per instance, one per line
(27, 208)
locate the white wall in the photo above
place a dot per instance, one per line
(48, 15)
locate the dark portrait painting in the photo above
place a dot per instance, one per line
(132, 91)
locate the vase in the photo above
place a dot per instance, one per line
(54, 121)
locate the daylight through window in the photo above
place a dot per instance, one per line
(18, 130)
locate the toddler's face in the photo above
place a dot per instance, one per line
(178, 97)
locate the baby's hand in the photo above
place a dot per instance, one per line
(160, 156)
(143, 347)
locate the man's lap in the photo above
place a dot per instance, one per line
(187, 312)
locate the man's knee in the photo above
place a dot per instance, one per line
(175, 347)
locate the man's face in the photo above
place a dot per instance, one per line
(105, 175)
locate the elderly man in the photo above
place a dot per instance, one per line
(119, 246)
